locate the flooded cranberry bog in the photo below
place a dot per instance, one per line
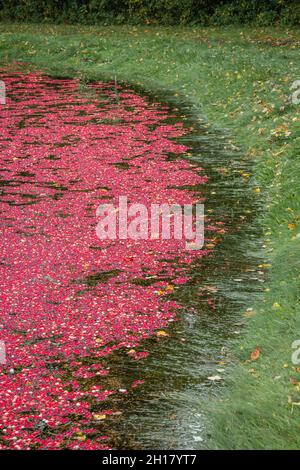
(114, 343)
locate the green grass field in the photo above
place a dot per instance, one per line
(240, 79)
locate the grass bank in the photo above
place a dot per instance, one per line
(240, 79)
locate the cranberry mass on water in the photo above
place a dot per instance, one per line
(68, 299)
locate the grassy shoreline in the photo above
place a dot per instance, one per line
(240, 79)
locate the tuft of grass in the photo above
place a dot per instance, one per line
(240, 79)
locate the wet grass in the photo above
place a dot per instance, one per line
(240, 80)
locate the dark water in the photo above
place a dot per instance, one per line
(170, 411)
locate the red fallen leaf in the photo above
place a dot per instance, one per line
(136, 383)
(256, 353)
(128, 259)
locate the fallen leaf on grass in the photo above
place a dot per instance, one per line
(131, 351)
(293, 403)
(249, 313)
(169, 288)
(255, 354)
(276, 306)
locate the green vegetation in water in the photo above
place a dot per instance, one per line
(239, 78)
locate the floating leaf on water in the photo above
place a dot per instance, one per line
(99, 417)
(162, 333)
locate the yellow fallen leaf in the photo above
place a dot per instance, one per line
(211, 289)
(170, 288)
(276, 306)
(294, 403)
(99, 417)
(162, 333)
(160, 292)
